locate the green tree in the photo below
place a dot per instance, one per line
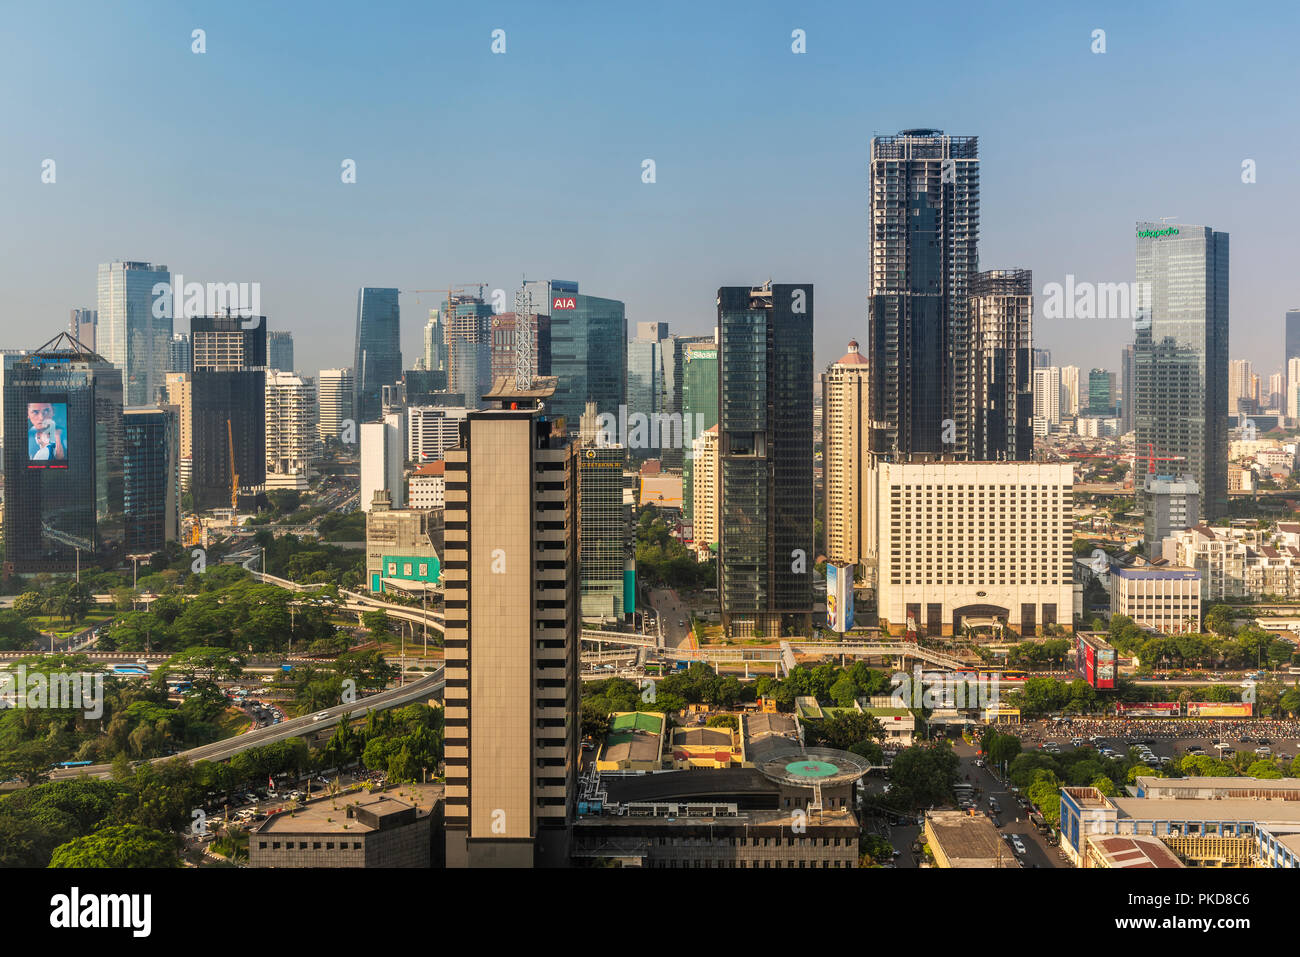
(119, 846)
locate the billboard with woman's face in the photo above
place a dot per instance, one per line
(47, 434)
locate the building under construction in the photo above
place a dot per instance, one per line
(228, 401)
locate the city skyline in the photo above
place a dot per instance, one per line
(586, 213)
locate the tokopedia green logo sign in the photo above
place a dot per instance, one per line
(1154, 233)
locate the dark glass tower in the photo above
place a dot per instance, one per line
(378, 356)
(1001, 409)
(588, 349)
(151, 480)
(228, 402)
(1181, 355)
(924, 230)
(62, 458)
(765, 379)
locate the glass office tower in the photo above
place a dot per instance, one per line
(699, 382)
(62, 459)
(150, 479)
(766, 451)
(588, 350)
(129, 335)
(228, 403)
(378, 354)
(279, 350)
(924, 230)
(605, 536)
(1181, 355)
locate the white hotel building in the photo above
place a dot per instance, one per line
(973, 543)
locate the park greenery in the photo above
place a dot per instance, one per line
(663, 560)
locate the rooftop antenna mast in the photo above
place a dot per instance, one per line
(524, 318)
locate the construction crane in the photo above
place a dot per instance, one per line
(1151, 457)
(234, 476)
(463, 287)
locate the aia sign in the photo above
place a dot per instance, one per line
(564, 302)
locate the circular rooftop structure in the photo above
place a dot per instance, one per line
(810, 767)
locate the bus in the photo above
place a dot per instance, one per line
(178, 687)
(128, 670)
(71, 764)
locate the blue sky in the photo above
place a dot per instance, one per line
(480, 167)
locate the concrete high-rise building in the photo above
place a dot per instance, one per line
(377, 359)
(290, 429)
(335, 391)
(999, 401)
(1173, 505)
(1292, 406)
(973, 543)
(178, 394)
(699, 405)
(1127, 397)
(1181, 361)
(1100, 400)
(150, 479)
(766, 450)
(180, 353)
(1069, 390)
(512, 635)
(1276, 399)
(706, 494)
(846, 433)
(129, 334)
(1042, 358)
(504, 345)
(469, 347)
(1047, 400)
(62, 458)
(279, 350)
(1241, 375)
(588, 349)
(924, 231)
(432, 430)
(228, 403)
(83, 326)
(383, 458)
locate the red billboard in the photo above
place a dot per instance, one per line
(1094, 661)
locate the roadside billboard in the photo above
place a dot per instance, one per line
(1219, 709)
(1148, 709)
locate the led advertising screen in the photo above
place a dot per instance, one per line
(47, 433)
(839, 597)
(1157, 709)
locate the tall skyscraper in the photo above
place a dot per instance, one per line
(432, 430)
(178, 394)
(924, 231)
(151, 479)
(129, 334)
(765, 450)
(673, 454)
(699, 406)
(228, 399)
(1181, 360)
(1069, 390)
(605, 533)
(62, 458)
(435, 346)
(1000, 398)
(377, 360)
(1042, 358)
(383, 458)
(846, 432)
(1047, 400)
(279, 350)
(290, 429)
(1100, 401)
(705, 493)
(469, 347)
(512, 635)
(1291, 350)
(1127, 397)
(645, 377)
(1241, 375)
(588, 349)
(335, 392)
(1276, 398)
(83, 326)
(180, 353)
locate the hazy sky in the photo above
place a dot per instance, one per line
(473, 166)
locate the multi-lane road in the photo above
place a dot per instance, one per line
(418, 690)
